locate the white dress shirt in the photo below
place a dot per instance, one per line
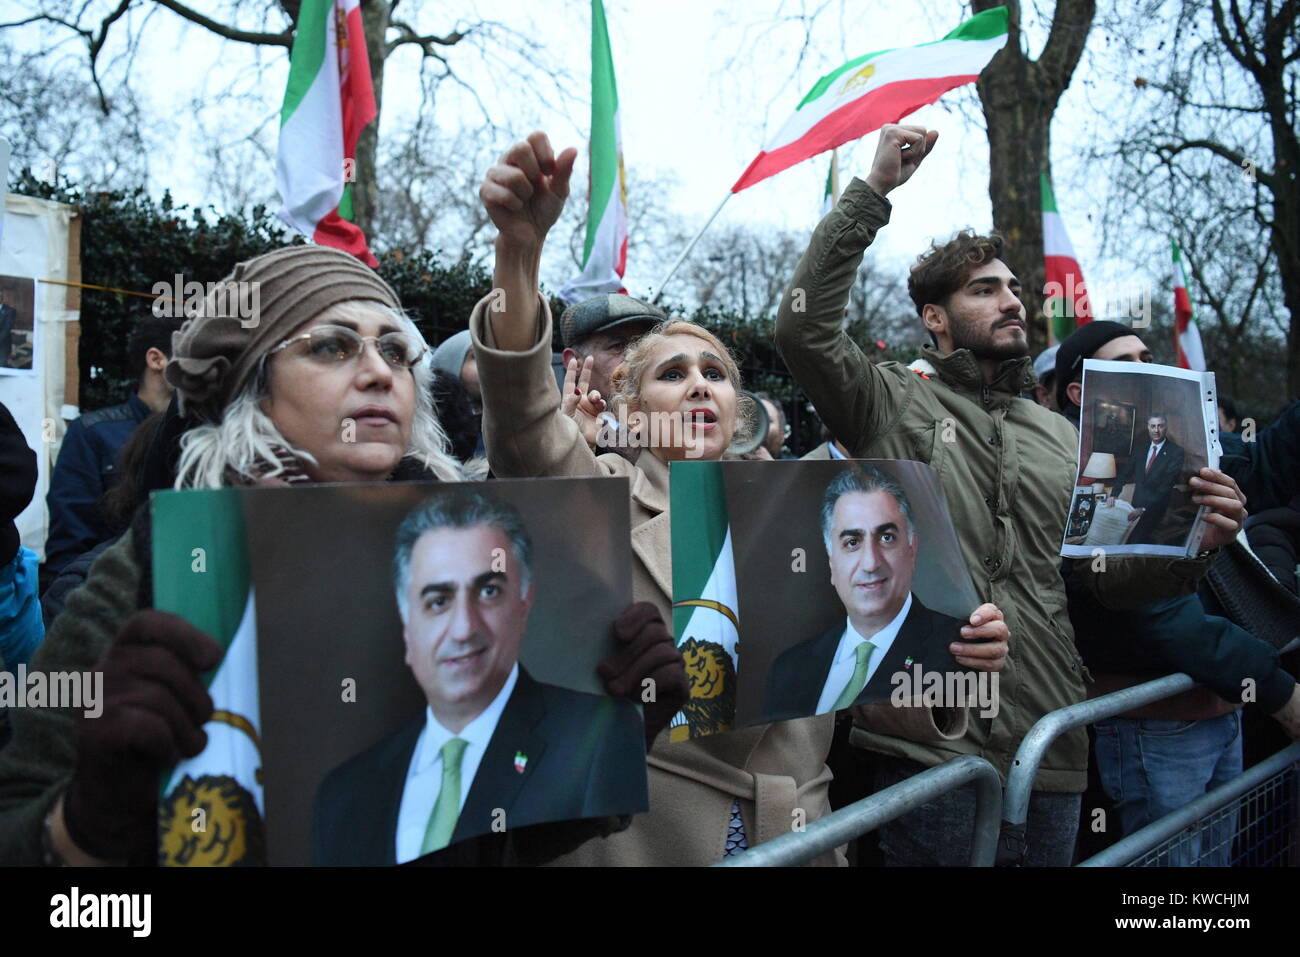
(1151, 456)
(424, 775)
(846, 657)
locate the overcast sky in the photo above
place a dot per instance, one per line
(701, 83)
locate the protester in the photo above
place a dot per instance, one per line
(1045, 371)
(1274, 535)
(1228, 417)
(777, 430)
(711, 793)
(461, 416)
(1157, 758)
(21, 628)
(297, 398)
(87, 464)
(1007, 467)
(601, 328)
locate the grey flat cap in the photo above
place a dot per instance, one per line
(601, 313)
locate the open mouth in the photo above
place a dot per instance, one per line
(374, 415)
(702, 418)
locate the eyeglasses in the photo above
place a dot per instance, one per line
(329, 345)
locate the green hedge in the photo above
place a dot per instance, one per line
(130, 241)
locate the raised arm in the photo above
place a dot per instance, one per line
(525, 432)
(852, 397)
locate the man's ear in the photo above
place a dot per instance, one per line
(1075, 392)
(570, 354)
(935, 319)
(155, 359)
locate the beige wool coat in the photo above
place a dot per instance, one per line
(777, 771)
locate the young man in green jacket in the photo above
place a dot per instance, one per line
(1007, 466)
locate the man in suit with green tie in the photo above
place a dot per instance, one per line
(495, 749)
(871, 543)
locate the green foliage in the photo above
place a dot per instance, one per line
(131, 242)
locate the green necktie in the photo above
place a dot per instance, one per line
(859, 679)
(442, 822)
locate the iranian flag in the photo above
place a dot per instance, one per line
(705, 621)
(1187, 335)
(327, 102)
(832, 185)
(1065, 297)
(604, 256)
(879, 88)
(211, 808)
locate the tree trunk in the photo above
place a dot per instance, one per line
(365, 191)
(1019, 97)
(1018, 122)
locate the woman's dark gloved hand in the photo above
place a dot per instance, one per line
(645, 650)
(154, 708)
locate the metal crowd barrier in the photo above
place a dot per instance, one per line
(1020, 782)
(1167, 840)
(871, 812)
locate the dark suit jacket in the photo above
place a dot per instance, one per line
(796, 679)
(586, 759)
(1152, 489)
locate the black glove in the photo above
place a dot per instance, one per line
(646, 650)
(154, 709)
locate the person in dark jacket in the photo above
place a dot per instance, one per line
(1274, 535)
(21, 628)
(87, 463)
(1158, 758)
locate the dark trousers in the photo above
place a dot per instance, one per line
(939, 833)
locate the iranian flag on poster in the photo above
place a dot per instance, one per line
(883, 87)
(1065, 297)
(1187, 335)
(705, 623)
(604, 255)
(329, 99)
(211, 809)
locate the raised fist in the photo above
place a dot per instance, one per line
(524, 193)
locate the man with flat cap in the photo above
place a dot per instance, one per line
(601, 328)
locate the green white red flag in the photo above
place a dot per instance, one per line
(329, 99)
(604, 255)
(1187, 335)
(1065, 297)
(883, 87)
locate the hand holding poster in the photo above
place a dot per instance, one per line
(1145, 431)
(847, 585)
(426, 665)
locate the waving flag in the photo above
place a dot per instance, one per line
(328, 101)
(879, 88)
(604, 256)
(1187, 335)
(1065, 297)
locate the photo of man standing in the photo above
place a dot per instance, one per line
(1153, 469)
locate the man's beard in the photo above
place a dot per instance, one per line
(967, 335)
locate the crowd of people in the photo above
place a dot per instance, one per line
(226, 403)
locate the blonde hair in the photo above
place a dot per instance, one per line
(626, 379)
(246, 441)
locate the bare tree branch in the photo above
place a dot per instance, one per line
(283, 39)
(426, 43)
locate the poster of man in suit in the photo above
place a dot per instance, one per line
(460, 697)
(1139, 489)
(859, 572)
(17, 314)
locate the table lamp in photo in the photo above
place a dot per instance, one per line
(1100, 469)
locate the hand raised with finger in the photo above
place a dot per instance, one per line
(525, 192)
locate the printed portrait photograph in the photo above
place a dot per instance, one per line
(17, 323)
(1143, 435)
(850, 580)
(427, 662)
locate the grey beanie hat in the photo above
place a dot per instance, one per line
(450, 356)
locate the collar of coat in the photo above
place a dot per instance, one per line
(650, 485)
(960, 370)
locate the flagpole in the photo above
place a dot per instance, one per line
(687, 251)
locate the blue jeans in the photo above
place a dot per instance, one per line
(1150, 768)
